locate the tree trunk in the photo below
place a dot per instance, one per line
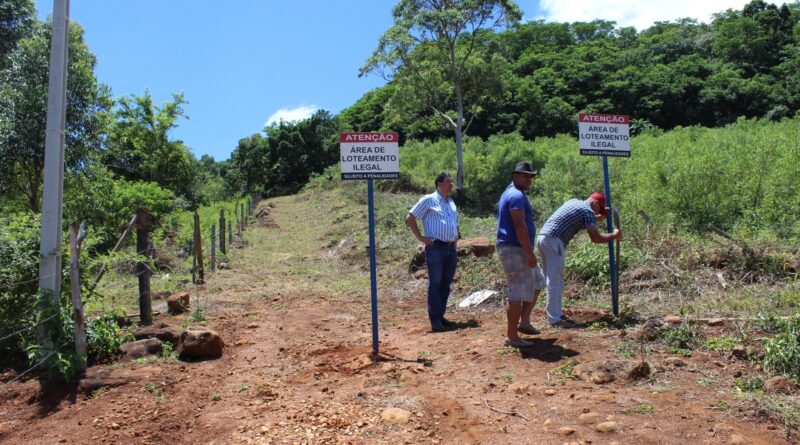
(459, 119)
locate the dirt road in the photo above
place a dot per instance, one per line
(297, 370)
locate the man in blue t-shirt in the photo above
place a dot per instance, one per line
(559, 229)
(516, 234)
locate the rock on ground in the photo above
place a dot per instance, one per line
(161, 331)
(105, 377)
(606, 371)
(200, 342)
(781, 385)
(479, 247)
(140, 349)
(395, 415)
(178, 303)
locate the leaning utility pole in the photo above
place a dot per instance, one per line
(53, 193)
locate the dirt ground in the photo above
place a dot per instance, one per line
(297, 369)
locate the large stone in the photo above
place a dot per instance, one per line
(590, 417)
(140, 349)
(606, 371)
(606, 427)
(161, 331)
(649, 331)
(478, 247)
(781, 385)
(178, 303)
(395, 415)
(200, 342)
(107, 377)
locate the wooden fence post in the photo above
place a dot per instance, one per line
(213, 247)
(143, 220)
(222, 231)
(198, 246)
(230, 233)
(76, 237)
(244, 217)
(194, 261)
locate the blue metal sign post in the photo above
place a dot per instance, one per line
(373, 276)
(610, 228)
(606, 135)
(370, 156)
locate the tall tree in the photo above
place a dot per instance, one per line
(16, 21)
(434, 38)
(23, 113)
(140, 148)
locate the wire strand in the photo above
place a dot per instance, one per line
(56, 350)
(12, 285)
(28, 328)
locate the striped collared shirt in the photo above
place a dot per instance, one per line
(573, 216)
(439, 217)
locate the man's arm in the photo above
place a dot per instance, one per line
(521, 231)
(602, 238)
(411, 222)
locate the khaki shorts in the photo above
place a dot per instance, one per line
(523, 281)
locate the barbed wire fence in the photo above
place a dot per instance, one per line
(164, 256)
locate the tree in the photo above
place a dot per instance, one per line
(23, 113)
(16, 20)
(442, 33)
(139, 146)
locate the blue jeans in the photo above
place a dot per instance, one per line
(441, 263)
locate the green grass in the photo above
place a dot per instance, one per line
(644, 409)
(721, 343)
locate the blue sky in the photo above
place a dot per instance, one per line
(242, 63)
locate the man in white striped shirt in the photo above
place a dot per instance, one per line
(440, 221)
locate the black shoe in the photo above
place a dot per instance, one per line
(447, 322)
(439, 328)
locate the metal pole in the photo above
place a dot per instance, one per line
(52, 199)
(372, 268)
(610, 228)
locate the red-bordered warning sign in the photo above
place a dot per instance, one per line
(604, 135)
(369, 155)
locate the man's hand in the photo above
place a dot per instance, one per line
(617, 233)
(425, 240)
(532, 263)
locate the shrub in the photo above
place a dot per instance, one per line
(782, 352)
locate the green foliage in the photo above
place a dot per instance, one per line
(720, 343)
(16, 18)
(19, 278)
(681, 337)
(282, 162)
(23, 110)
(782, 352)
(644, 409)
(490, 165)
(105, 336)
(430, 49)
(534, 78)
(588, 263)
(753, 384)
(139, 147)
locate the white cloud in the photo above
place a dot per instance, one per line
(291, 114)
(637, 13)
